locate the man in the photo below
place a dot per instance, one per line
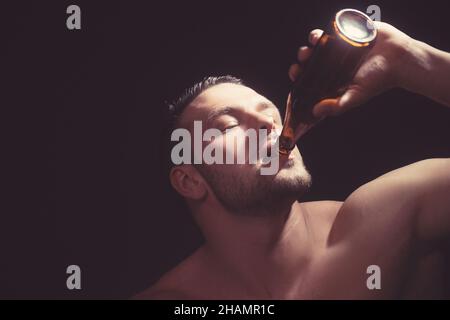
(263, 244)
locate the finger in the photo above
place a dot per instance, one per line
(327, 107)
(294, 71)
(304, 53)
(314, 36)
(352, 98)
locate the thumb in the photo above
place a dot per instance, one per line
(326, 108)
(352, 97)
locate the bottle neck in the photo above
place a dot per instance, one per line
(287, 137)
(298, 117)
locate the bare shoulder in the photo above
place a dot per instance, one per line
(177, 283)
(319, 217)
(383, 206)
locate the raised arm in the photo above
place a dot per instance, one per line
(411, 202)
(430, 185)
(396, 60)
(427, 72)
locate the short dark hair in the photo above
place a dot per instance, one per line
(176, 108)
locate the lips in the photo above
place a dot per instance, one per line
(272, 148)
(272, 140)
(269, 146)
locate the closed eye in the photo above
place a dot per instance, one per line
(229, 127)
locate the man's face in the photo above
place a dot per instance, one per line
(241, 188)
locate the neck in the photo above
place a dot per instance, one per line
(257, 248)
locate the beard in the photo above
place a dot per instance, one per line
(247, 192)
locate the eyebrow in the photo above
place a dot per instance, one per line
(231, 109)
(219, 112)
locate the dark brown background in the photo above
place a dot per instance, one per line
(83, 115)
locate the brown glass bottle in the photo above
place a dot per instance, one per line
(331, 67)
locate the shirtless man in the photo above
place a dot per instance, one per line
(263, 244)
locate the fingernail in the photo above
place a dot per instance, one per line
(343, 100)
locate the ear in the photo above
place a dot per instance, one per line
(186, 180)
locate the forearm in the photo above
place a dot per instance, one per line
(427, 72)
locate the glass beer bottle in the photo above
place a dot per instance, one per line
(331, 67)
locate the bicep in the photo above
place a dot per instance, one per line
(433, 199)
(385, 208)
(410, 202)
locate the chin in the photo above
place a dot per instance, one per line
(294, 172)
(294, 168)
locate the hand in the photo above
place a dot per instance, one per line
(384, 67)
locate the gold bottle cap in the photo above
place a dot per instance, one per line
(355, 27)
